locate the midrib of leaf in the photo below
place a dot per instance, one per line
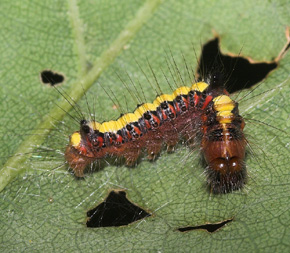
(77, 30)
(15, 164)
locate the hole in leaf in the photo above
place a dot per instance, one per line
(208, 227)
(237, 72)
(51, 78)
(115, 211)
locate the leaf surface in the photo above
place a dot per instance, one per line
(91, 43)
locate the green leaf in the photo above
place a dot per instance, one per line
(43, 207)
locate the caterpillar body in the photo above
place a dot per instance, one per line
(199, 114)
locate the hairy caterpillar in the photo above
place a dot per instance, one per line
(203, 113)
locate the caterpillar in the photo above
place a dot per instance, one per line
(202, 114)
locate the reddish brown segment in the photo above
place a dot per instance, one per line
(192, 117)
(77, 161)
(225, 157)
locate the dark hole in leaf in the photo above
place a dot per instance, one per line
(115, 211)
(51, 78)
(237, 72)
(208, 227)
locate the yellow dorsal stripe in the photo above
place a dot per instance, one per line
(129, 118)
(184, 90)
(200, 86)
(75, 139)
(225, 120)
(223, 103)
(224, 114)
(94, 125)
(114, 126)
(162, 98)
(109, 126)
(224, 117)
(145, 108)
